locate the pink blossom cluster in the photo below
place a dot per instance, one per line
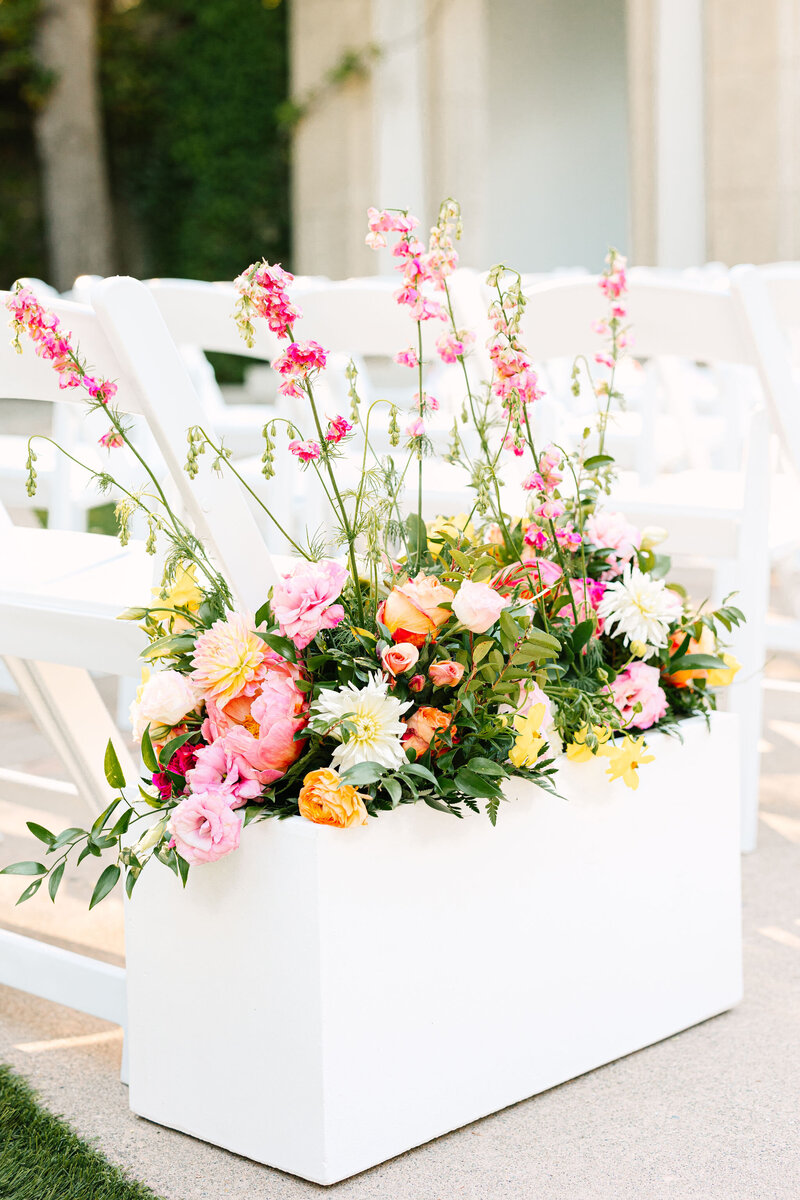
(515, 385)
(299, 361)
(452, 346)
(421, 269)
(308, 451)
(54, 345)
(614, 286)
(263, 289)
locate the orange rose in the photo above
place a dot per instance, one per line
(446, 674)
(411, 612)
(705, 645)
(399, 659)
(422, 730)
(325, 800)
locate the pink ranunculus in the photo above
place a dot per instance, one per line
(477, 606)
(639, 684)
(303, 600)
(219, 765)
(204, 826)
(400, 658)
(447, 673)
(612, 530)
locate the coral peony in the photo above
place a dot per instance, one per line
(303, 600)
(413, 612)
(325, 800)
(205, 826)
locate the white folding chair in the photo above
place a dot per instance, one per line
(715, 518)
(61, 592)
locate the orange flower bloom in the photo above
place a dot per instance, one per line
(411, 612)
(705, 645)
(423, 729)
(325, 800)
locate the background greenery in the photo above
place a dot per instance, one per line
(198, 161)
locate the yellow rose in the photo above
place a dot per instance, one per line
(325, 800)
(722, 677)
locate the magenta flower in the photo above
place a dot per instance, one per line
(307, 451)
(338, 428)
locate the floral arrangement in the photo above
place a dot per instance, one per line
(410, 661)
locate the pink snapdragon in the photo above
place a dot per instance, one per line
(421, 269)
(52, 344)
(302, 601)
(551, 510)
(639, 684)
(407, 358)
(263, 290)
(308, 451)
(111, 440)
(338, 429)
(452, 346)
(299, 361)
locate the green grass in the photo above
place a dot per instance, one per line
(42, 1159)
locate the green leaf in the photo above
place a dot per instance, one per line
(597, 460)
(165, 647)
(581, 635)
(481, 650)
(422, 772)
(691, 662)
(113, 770)
(474, 784)
(148, 753)
(122, 824)
(417, 534)
(133, 614)
(67, 835)
(460, 559)
(172, 746)
(262, 614)
(491, 809)
(39, 831)
(105, 883)
(54, 880)
(130, 881)
(363, 773)
(104, 815)
(24, 868)
(486, 766)
(441, 805)
(393, 787)
(30, 890)
(510, 627)
(183, 869)
(281, 645)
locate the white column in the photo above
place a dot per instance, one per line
(399, 103)
(680, 134)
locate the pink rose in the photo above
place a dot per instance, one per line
(400, 658)
(639, 684)
(217, 766)
(477, 606)
(612, 531)
(204, 826)
(446, 674)
(303, 600)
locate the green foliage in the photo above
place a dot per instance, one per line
(190, 93)
(42, 1159)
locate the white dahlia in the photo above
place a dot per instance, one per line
(640, 608)
(376, 717)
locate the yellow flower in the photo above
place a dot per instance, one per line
(182, 593)
(578, 751)
(525, 750)
(625, 759)
(721, 677)
(325, 800)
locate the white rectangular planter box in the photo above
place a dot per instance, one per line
(324, 999)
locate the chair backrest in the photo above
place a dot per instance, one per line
(123, 337)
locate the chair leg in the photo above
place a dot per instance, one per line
(70, 712)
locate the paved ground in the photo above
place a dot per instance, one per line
(710, 1114)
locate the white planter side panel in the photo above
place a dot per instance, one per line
(323, 999)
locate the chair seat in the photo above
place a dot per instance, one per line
(61, 594)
